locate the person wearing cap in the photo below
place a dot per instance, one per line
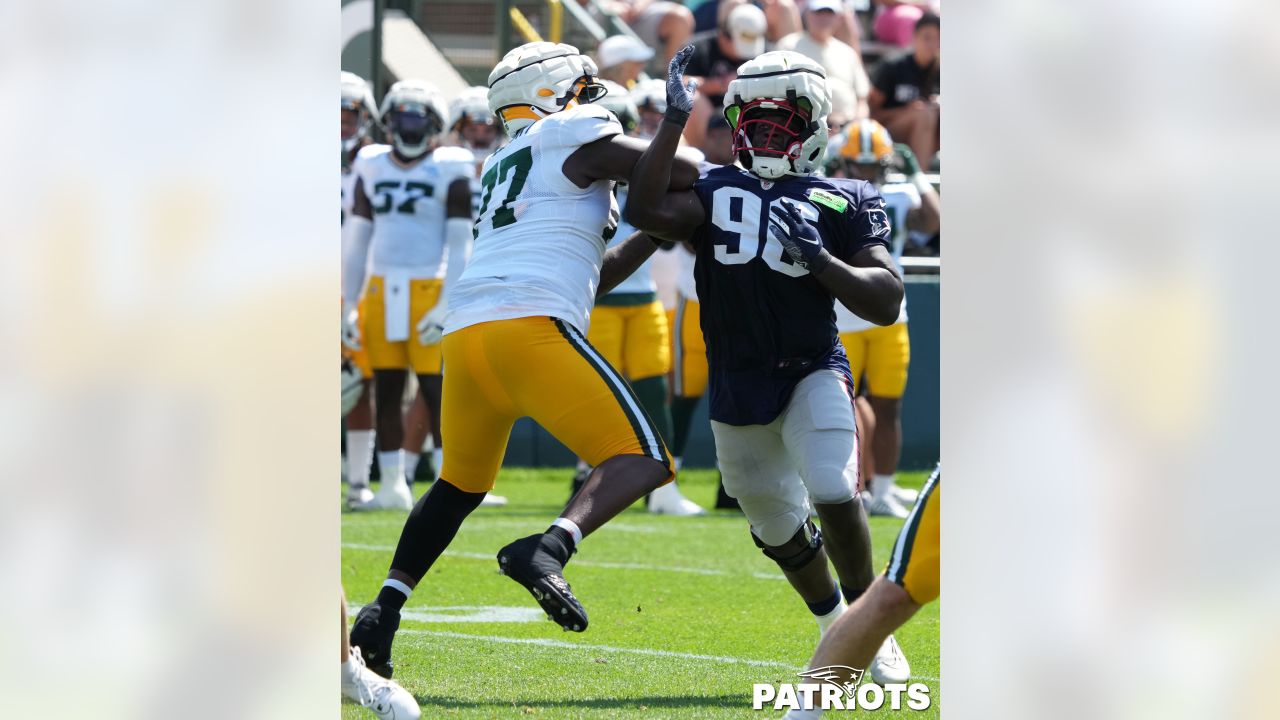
(716, 56)
(818, 41)
(622, 59)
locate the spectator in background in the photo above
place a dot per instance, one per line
(896, 19)
(783, 16)
(661, 25)
(905, 92)
(621, 58)
(715, 61)
(817, 41)
(717, 143)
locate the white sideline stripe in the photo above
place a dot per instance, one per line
(545, 642)
(587, 563)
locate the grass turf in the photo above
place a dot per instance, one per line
(685, 614)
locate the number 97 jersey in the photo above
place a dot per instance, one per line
(768, 323)
(539, 238)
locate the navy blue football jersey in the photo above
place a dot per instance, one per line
(767, 322)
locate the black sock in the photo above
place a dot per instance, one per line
(826, 606)
(566, 546)
(681, 415)
(389, 597)
(431, 526)
(851, 595)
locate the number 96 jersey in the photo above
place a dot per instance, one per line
(539, 238)
(767, 322)
(408, 204)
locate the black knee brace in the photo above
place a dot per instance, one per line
(797, 552)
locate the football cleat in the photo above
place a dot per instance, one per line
(395, 497)
(491, 500)
(668, 500)
(358, 495)
(529, 562)
(884, 506)
(889, 665)
(903, 495)
(384, 697)
(373, 632)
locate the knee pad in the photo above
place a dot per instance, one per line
(797, 552)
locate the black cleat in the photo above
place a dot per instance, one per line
(373, 632)
(532, 562)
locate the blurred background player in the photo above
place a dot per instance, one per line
(629, 328)
(776, 247)
(359, 113)
(410, 230)
(882, 354)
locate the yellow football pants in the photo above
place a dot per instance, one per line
(634, 339)
(383, 354)
(883, 353)
(545, 369)
(689, 350)
(917, 553)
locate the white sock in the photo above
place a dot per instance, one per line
(882, 484)
(437, 460)
(582, 465)
(571, 527)
(411, 464)
(826, 621)
(391, 462)
(349, 670)
(359, 457)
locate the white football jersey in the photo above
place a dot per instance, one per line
(640, 281)
(684, 281)
(539, 239)
(899, 199)
(409, 205)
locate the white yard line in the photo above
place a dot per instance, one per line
(649, 652)
(546, 642)
(590, 563)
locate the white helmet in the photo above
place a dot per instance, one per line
(618, 101)
(790, 90)
(352, 386)
(651, 96)
(472, 105)
(414, 115)
(357, 96)
(538, 79)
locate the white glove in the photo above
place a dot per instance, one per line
(350, 326)
(431, 326)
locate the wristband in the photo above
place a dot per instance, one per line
(675, 116)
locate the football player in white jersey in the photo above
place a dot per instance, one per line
(629, 328)
(882, 354)
(515, 337)
(404, 245)
(359, 113)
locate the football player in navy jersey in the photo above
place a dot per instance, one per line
(776, 247)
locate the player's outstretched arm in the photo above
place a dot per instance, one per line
(623, 259)
(650, 207)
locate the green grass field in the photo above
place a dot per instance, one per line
(685, 613)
